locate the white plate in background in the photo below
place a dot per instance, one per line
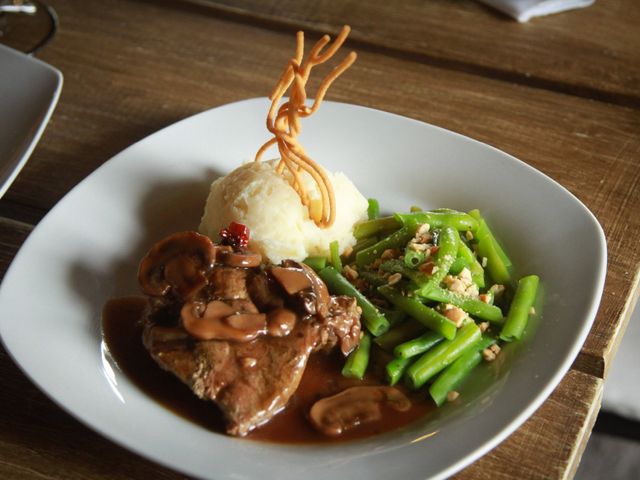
(29, 91)
(87, 248)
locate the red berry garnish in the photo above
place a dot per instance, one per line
(236, 235)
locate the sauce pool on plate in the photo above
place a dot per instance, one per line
(122, 332)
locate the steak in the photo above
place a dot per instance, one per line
(244, 336)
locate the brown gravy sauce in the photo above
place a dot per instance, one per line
(122, 334)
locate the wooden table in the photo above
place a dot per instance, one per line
(561, 93)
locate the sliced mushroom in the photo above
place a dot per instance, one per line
(355, 406)
(303, 284)
(179, 264)
(320, 291)
(220, 321)
(280, 322)
(293, 279)
(244, 259)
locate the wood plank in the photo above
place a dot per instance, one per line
(592, 52)
(600, 364)
(164, 62)
(57, 446)
(12, 235)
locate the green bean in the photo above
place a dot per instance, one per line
(520, 308)
(398, 334)
(476, 214)
(446, 255)
(412, 258)
(364, 243)
(498, 264)
(373, 210)
(455, 373)
(453, 376)
(420, 312)
(372, 278)
(442, 355)
(397, 239)
(417, 345)
(396, 368)
(477, 272)
(470, 305)
(458, 265)
(486, 341)
(438, 219)
(444, 210)
(317, 263)
(375, 321)
(334, 252)
(394, 316)
(357, 361)
(376, 226)
(398, 266)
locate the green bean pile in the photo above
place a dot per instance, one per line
(436, 291)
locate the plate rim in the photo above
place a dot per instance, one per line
(24, 155)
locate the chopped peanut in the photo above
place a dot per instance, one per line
(418, 247)
(454, 284)
(488, 355)
(465, 275)
(424, 238)
(347, 251)
(388, 254)
(424, 228)
(452, 396)
(484, 298)
(484, 326)
(350, 272)
(472, 290)
(393, 279)
(427, 268)
(455, 314)
(469, 235)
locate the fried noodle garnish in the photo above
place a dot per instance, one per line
(283, 121)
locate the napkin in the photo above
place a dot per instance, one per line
(524, 10)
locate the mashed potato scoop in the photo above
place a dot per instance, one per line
(281, 228)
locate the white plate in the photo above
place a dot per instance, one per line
(87, 249)
(29, 91)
